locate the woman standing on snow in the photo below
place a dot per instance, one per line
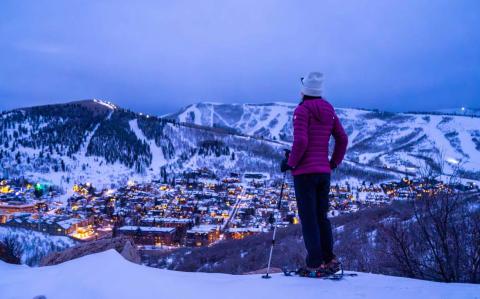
(314, 121)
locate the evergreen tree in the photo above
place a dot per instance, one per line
(38, 192)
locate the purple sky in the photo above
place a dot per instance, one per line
(157, 56)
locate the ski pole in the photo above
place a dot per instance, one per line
(267, 275)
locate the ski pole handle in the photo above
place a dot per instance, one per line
(287, 153)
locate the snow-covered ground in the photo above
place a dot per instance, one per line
(108, 275)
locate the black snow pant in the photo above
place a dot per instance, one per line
(311, 191)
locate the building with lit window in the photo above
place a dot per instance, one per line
(50, 224)
(238, 233)
(147, 235)
(202, 235)
(17, 207)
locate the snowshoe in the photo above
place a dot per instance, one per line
(304, 272)
(322, 274)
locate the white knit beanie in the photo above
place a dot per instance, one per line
(312, 84)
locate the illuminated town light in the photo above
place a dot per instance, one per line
(5, 189)
(131, 183)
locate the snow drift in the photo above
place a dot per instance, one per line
(108, 275)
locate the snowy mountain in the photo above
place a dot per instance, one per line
(382, 139)
(98, 142)
(107, 275)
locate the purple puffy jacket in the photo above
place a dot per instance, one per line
(314, 121)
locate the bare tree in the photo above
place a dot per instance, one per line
(10, 250)
(442, 239)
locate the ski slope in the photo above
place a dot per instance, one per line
(108, 275)
(270, 119)
(158, 159)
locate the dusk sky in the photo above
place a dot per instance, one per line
(157, 56)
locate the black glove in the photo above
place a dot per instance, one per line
(333, 165)
(284, 166)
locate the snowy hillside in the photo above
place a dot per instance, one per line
(32, 246)
(382, 139)
(272, 121)
(107, 275)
